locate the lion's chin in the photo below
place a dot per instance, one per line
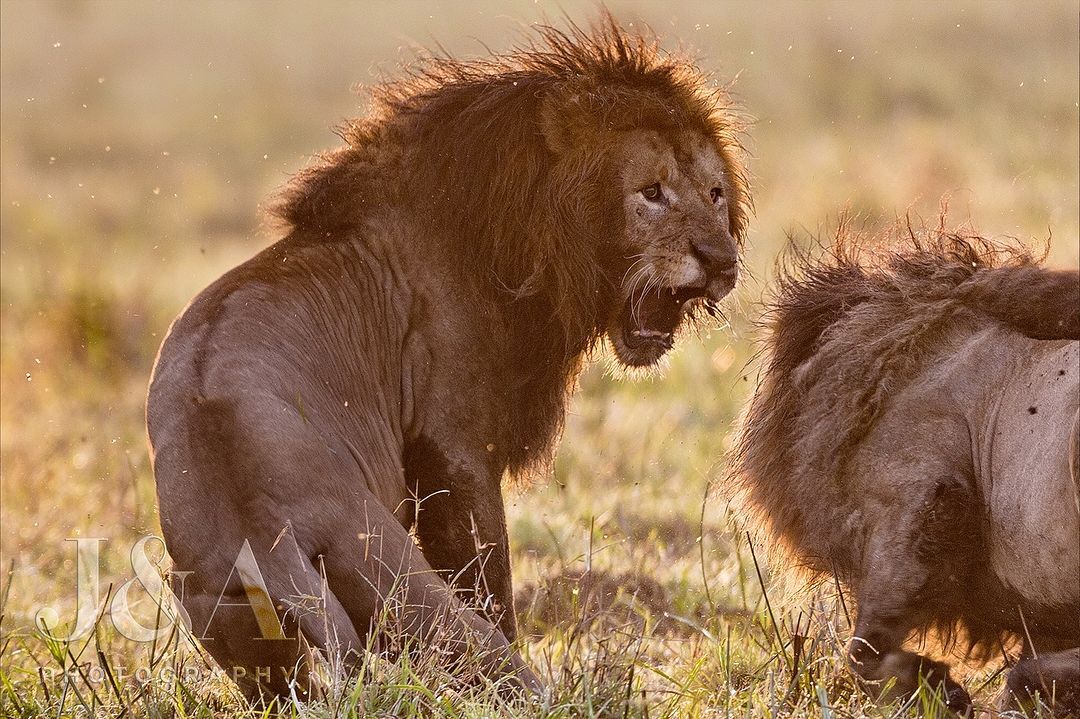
(644, 354)
(645, 328)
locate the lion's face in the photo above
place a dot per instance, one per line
(680, 249)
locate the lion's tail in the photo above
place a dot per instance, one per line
(1042, 304)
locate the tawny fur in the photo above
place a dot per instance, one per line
(413, 338)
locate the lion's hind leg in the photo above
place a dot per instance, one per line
(266, 617)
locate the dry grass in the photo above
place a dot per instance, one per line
(137, 142)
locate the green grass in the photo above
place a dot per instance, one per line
(138, 142)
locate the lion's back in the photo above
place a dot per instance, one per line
(297, 337)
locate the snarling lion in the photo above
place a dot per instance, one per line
(915, 434)
(413, 337)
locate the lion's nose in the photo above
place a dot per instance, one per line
(718, 261)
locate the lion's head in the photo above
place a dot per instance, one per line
(678, 237)
(598, 177)
(655, 157)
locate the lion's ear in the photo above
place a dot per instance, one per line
(565, 120)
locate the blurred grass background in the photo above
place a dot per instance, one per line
(138, 142)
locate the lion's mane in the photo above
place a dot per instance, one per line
(505, 158)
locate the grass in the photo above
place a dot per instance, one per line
(137, 143)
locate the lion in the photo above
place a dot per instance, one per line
(915, 435)
(331, 421)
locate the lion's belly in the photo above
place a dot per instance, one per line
(1034, 518)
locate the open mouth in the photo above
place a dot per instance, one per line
(646, 325)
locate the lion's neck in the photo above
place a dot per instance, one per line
(543, 362)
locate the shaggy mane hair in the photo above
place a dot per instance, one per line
(508, 159)
(901, 298)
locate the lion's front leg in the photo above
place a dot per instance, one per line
(1052, 676)
(464, 534)
(876, 655)
(894, 596)
(461, 525)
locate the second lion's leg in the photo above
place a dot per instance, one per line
(1055, 677)
(877, 655)
(895, 595)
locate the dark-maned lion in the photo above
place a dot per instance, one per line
(414, 337)
(915, 434)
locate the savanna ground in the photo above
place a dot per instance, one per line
(138, 141)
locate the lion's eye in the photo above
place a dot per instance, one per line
(652, 193)
(716, 193)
